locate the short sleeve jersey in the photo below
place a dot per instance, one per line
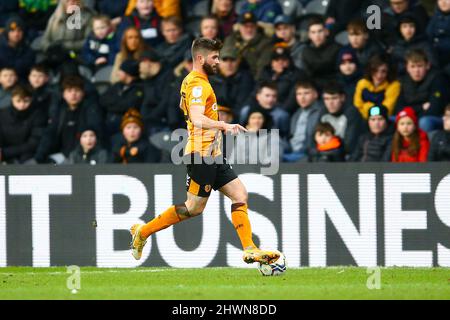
(196, 91)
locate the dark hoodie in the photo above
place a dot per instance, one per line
(20, 58)
(374, 148)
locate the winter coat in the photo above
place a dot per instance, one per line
(172, 54)
(366, 95)
(92, 157)
(374, 148)
(140, 151)
(432, 89)
(438, 32)
(331, 152)
(20, 133)
(265, 11)
(150, 28)
(440, 146)
(255, 53)
(422, 154)
(94, 49)
(21, 58)
(313, 118)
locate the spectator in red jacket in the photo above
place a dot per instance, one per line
(410, 143)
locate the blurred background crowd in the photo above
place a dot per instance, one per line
(85, 81)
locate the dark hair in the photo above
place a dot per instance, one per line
(447, 108)
(316, 20)
(73, 82)
(267, 84)
(306, 84)
(8, 68)
(205, 45)
(23, 91)
(176, 21)
(416, 55)
(323, 127)
(266, 115)
(377, 61)
(357, 26)
(333, 88)
(42, 68)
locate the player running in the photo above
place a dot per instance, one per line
(199, 106)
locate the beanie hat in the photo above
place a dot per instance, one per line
(347, 54)
(131, 67)
(132, 116)
(378, 110)
(13, 23)
(85, 128)
(406, 112)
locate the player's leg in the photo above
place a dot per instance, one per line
(193, 207)
(236, 191)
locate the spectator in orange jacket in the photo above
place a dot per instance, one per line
(410, 143)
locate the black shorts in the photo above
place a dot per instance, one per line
(207, 176)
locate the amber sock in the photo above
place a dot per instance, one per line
(242, 225)
(168, 218)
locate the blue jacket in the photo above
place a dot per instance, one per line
(438, 32)
(94, 48)
(265, 11)
(21, 58)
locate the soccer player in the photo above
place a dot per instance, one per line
(203, 149)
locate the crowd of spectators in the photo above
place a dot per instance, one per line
(98, 81)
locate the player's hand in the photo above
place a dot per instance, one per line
(234, 128)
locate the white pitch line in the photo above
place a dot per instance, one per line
(89, 272)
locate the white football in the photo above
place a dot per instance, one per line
(274, 269)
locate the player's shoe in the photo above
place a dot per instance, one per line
(137, 242)
(261, 256)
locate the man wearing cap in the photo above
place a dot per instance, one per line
(14, 51)
(155, 76)
(282, 71)
(252, 44)
(232, 84)
(285, 34)
(349, 70)
(375, 145)
(264, 10)
(125, 94)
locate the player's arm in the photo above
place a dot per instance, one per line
(199, 120)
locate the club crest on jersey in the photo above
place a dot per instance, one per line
(197, 92)
(207, 188)
(214, 107)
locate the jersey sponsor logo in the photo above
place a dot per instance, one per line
(197, 92)
(196, 101)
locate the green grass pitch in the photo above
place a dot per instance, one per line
(224, 284)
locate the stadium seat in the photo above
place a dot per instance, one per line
(162, 140)
(85, 72)
(36, 45)
(317, 7)
(291, 8)
(342, 38)
(103, 75)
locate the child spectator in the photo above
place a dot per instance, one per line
(88, 151)
(342, 115)
(319, 57)
(266, 98)
(43, 95)
(409, 39)
(8, 79)
(21, 127)
(100, 47)
(282, 71)
(131, 146)
(209, 27)
(175, 42)
(303, 121)
(74, 111)
(224, 11)
(329, 147)
(375, 145)
(58, 34)
(424, 89)
(440, 143)
(410, 143)
(125, 94)
(14, 50)
(254, 47)
(349, 71)
(132, 46)
(379, 86)
(360, 41)
(146, 20)
(438, 32)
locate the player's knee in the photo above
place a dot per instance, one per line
(241, 197)
(194, 209)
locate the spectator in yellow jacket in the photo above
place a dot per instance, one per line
(378, 87)
(165, 8)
